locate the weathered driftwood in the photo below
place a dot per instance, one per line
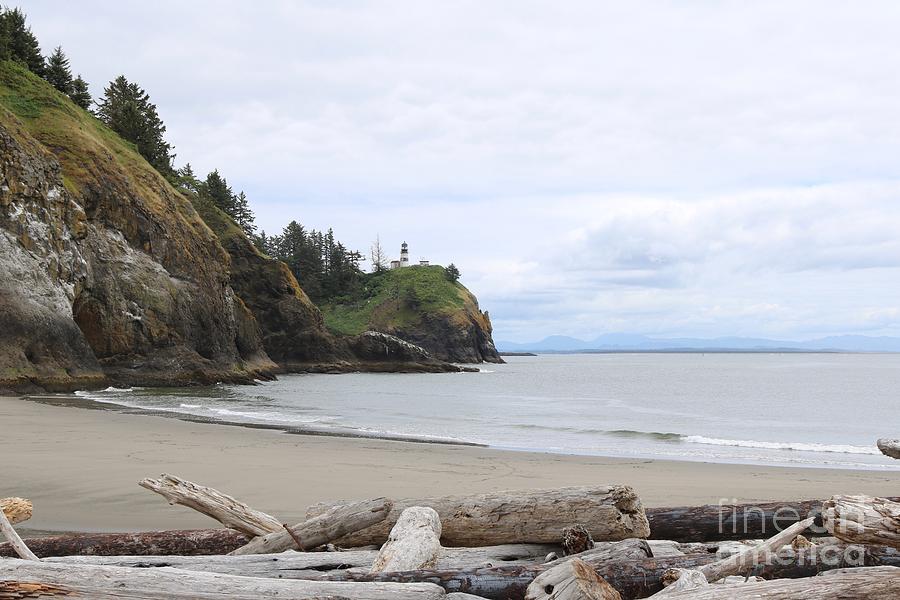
(863, 520)
(568, 578)
(14, 540)
(614, 512)
(576, 539)
(635, 578)
(226, 510)
(679, 580)
(869, 583)
(88, 581)
(321, 529)
(414, 542)
(743, 561)
(184, 542)
(714, 522)
(889, 447)
(312, 565)
(16, 510)
(462, 596)
(572, 580)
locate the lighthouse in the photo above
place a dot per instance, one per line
(404, 255)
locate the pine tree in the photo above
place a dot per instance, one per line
(452, 273)
(58, 73)
(127, 110)
(80, 94)
(243, 216)
(18, 43)
(220, 192)
(186, 180)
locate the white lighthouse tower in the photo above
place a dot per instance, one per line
(404, 255)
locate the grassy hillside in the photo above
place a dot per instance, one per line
(398, 299)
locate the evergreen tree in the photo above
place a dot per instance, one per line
(243, 216)
(452, 273)
(264, 243)
(220, 192)
(18, 43)
(127, 110)
(80, 94)
(186, 180)
(58, 73)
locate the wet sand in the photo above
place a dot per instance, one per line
(80, 467)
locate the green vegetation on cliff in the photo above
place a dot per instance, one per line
(423, 305)
(397, 299)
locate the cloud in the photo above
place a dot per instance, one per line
(685, 168)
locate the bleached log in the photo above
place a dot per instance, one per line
(572, 580)
(414, 542)
(745, 560)
(889, 447)
(14, 540)
(613, 512)
(16, 510)
(871, 583)
(312, 565)
(573, 577)
(863, 520)
(88, 581)
(463, 596)
(321, 529)
(223, 508)
(679, 580)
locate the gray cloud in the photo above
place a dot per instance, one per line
(684, 168)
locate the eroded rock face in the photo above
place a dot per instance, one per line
(461, 337)
(101, 285)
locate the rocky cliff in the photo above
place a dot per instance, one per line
(292, 328)
(108, 275)
(421, 305)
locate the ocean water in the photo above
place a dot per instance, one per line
(817, 410)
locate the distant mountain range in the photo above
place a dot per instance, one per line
(627, 342)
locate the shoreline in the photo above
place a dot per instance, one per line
(80, 467)
(89, 403)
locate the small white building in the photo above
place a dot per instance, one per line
(404, 258)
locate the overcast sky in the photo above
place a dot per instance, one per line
(667, 168)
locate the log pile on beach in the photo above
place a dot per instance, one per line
(578, 543)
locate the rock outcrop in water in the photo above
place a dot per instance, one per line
(108, 275)
(422, 306)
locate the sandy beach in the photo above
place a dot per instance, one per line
(81, 466)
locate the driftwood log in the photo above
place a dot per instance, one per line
(16, 510)
(15, 541)
(863, 520)
(614, 512)
(414, 542)
(635, 578)
(321, 529)
(869, 583)
(572, 580)
(312, 565)
(889, 447)
(742, 561)
(714, 522)
(88, 581)
(223, 508)
(183, 542)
